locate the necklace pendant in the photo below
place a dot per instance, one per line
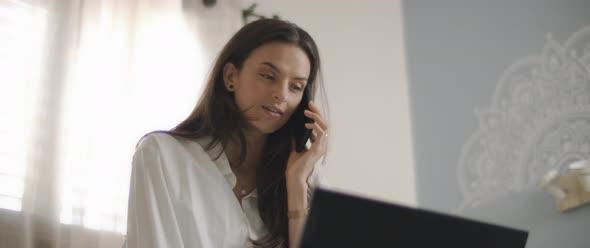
(243, 192)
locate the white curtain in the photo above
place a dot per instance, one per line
(80, 83)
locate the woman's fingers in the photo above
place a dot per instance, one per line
(319, 138)
(313, 107)
(317, 118)
(319, 130)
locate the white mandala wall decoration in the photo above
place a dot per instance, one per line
(538, 119)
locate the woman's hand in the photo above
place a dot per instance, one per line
(300, 165)
(299, 168)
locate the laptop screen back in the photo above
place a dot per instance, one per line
(340, 220)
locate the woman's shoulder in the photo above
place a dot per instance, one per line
(169, 143)
(156, 139)
(162, 140)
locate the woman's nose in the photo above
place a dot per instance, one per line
(280, 91)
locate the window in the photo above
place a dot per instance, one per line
(129, 73)
(22, 28)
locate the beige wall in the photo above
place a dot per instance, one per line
(364, 67)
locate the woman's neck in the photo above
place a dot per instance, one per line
(255, 144)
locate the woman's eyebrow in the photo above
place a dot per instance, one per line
(269, 64)
(275, 68)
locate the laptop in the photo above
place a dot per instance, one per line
(341, 220)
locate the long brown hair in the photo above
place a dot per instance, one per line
(216, 115)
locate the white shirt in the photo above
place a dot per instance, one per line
(181, 197)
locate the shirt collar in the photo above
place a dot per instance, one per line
(222, 164)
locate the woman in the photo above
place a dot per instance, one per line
(229, 175)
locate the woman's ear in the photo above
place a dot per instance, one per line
(230, 74)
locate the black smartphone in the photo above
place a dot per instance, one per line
(300, 132)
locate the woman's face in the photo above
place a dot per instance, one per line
(270, 84)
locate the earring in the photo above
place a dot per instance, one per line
(231, 87)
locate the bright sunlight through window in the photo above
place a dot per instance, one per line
(123, 81)
(117, 93)
(21, 33)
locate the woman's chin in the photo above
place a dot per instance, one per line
(263, 130)
(268, 130)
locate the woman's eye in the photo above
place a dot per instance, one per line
(297, 88)
(269, 77)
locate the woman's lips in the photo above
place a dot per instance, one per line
(271, 113)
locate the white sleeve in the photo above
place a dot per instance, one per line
(151, 219)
